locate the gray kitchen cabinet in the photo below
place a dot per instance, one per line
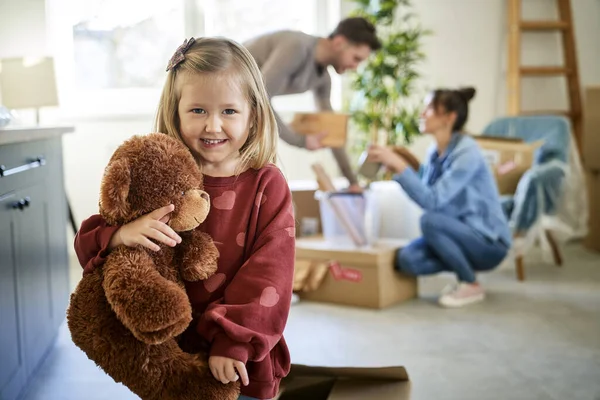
(34, 286)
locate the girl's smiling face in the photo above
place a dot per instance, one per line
(214, 120)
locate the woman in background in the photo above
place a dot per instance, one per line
(464, 228)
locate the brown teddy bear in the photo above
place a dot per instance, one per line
(126, 316)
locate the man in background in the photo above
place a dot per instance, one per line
(294, 62)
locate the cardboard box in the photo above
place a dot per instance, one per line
(343, 274)
(592, 240)
(509, 158)
(306, 208)
(591, 128)
(335, 383)
(334, 124)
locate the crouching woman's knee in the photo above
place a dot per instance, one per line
(406, 261)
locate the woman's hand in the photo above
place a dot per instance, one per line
(387, 157)
(224, 370)
(150, 226)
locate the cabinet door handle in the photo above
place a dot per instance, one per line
(22, 203)
(35, 163)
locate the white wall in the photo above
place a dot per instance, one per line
(22, 28)
(468, 48)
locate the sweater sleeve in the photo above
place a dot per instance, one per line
(91, 242)
(249, 320)
(452, 181)
(283, 62)
(288, 135)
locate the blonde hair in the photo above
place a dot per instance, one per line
(219, 55)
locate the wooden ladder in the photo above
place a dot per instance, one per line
(516, 27)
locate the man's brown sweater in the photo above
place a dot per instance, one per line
(287, 61)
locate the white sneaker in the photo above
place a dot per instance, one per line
(295, 298)
(461, 294)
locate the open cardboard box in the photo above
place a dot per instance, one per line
(342, 273)
(335, 125)
(509, 159)
(591, 130)
(306, 208)
(592, 240)
(307, 382)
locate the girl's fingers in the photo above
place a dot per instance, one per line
(160, 237)
(144, 241)
(230, 372)
(223, 375)
(165, 229)
(241, 369)
(218, 374)
(213, 371)
(159, 213)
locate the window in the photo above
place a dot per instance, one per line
(125, 44)
(111, 55)
(243, 19)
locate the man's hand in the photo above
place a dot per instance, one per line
(224, 370)
(313, 142)
(387, 157)
(355, 188)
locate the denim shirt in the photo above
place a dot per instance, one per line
(459, 183)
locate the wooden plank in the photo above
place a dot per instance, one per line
(544, 71)
(566, 113)
(573, 85)
(514, 57)
(544, 25)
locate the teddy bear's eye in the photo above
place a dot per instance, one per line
(183, 193)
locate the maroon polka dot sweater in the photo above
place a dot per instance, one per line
(244, 307)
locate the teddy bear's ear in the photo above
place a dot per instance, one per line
(115, 188)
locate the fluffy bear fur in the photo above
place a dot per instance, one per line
(127, 315)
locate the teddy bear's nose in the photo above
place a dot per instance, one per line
(204, 195)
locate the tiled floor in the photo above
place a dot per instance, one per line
(534, 340)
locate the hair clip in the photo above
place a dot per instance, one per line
(179, 55)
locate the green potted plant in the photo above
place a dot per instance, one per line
(386, 102)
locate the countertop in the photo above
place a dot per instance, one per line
(9, 135)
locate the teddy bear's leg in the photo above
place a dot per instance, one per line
(153, 372)
(150, 306)
(199, 256)
(96, 330)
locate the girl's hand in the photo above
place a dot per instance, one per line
(150, 226)
(387, 157)
(224, 370)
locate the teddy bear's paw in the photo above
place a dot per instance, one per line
(201, 271)
(201, 258)
(162, 335)
(157, 309)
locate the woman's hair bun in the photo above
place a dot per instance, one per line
(467, 93)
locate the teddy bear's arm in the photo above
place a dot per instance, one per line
(199, 256)
(150, 306)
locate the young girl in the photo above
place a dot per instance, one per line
(464, 228)
(215, 102)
